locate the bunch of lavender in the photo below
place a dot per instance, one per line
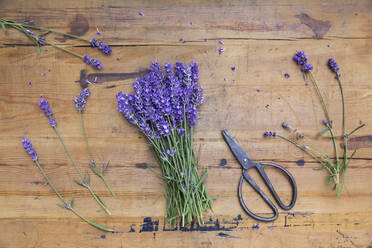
(80, 102)
(336, 167)
(39, 39)
(66, 205)
(84, 179)
(164, 108)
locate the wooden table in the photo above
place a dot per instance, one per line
(260, 38)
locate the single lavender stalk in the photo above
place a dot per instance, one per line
(85, 182)
(80, 102)
(67, 205)
(40, 40)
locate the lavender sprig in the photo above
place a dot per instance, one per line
(335, 168)
(66, 205)
(80, 102)
(40, 40)
(44, 105)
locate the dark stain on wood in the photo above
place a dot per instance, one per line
(223, 162)
(79, 25)
(300, 162)
(225, 235)
(142, 165)
(359, 142)
(320, 28)
(106, 77)
(110, 86)
(149, 225)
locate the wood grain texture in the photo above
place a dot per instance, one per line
(260, 38)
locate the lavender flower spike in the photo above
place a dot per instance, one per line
(43, 103)
(29, 148)
(334, 67)
(300, 58)
(81, 100)
(93, 62)
(307, 68)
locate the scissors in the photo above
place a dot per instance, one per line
(247, 164)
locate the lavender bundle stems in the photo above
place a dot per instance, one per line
(68, 206)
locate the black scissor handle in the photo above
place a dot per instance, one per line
(272, 190)
(266, 199)
(262, 194)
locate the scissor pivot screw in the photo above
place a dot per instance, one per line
(245, 160)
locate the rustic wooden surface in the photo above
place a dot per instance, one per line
(260, 39)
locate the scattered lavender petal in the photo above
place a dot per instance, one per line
(267, 106)
(278, 97)
(221, 50)
(46, 50)
(183, 41)
(256, 226)
(221, 42)
(205, 39)
(329, 45)
(287, 75)
(233, 81)
(30, 22)
(141, 13)
(49, 69)
(98, 32)
(29, 84)
(117, 58)
(224, 79)
(190, 23)
(258, 90)
(44, 74)
(233, 68)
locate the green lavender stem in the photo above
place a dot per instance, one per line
(99, 201)
(63, 49)
(8, 22)
(99, 173)
(66, 204)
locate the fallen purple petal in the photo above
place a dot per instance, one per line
(141, 13)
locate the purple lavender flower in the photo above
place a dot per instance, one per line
(325, 122)
(141, 13)
(334, 67)
(300, 58)
(269, 134)
(307, 68)
(29, 148)
(221, 42)
(221, 50)
(286, 75)
(97, 31)
(81, 100)
(93, 42)
(30, 22)
(30, 32)
(93, 62)
(285, 125)
(43, 103)
(163, 100)
(52, 121)
(171, 152)
(106, 49)
(233, 68)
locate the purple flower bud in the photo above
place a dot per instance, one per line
(97, 31)
(93, 62)
(305, 147)
(233, 68)
(141, 13)
(171, 152)
(307, 68)
(285, 125)
(44, 105)
(266, 134)
(325, 122)
(300, 58)
(52, 121)
(29, 148)
(256, 226)
(221, 42)
(29, 31)
(221, 50)
(286, 75)
(81, 100)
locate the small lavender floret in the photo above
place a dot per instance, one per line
(29, 148)
(93, 62)
(286, 75)
(52, 121)
(43, 103)
(81, 100)
(325, 122)
(141, 13)
(171, 152)
(221, 50)
(256, 226)
(285, 125)
(307, 68)
(300, 58)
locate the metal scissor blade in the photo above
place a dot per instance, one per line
(237, 150)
